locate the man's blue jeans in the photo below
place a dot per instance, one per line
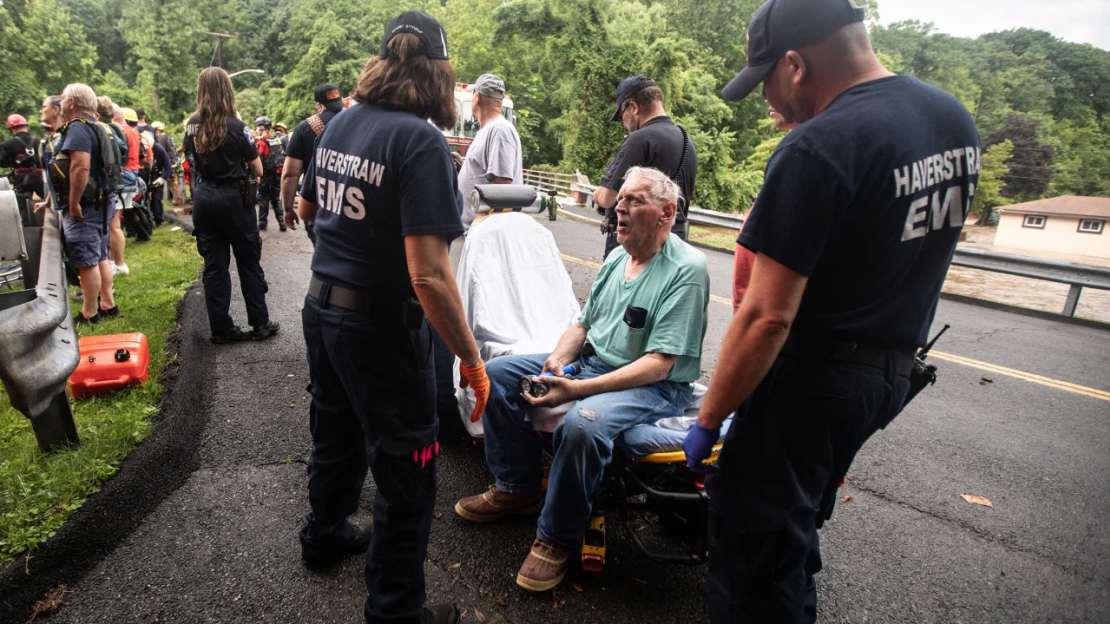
(583, 443)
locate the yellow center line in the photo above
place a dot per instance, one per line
(948, 357)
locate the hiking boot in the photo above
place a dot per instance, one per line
(362, 529)
(265, 331)
(112, 312)
(262, 227)
(495, 505)
(545, 567)
(282, 228)
(81, 319)
(439, 614)
(233, 335)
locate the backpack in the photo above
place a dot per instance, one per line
(109, 177)
(116, 133)
(28, 159)
(272, 164)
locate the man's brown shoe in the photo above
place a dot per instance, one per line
(495, 505)
(544, 568)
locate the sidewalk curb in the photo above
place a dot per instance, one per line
(155, 469)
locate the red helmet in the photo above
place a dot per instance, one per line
(14, 121)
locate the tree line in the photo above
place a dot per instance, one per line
(1040, 103)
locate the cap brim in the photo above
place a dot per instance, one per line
(747, 80)
(616, 114)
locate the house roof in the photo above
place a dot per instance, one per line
(1065, 205)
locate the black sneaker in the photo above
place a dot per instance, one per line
(80, 319)
(233, 335)
(112, 312)
(262, 226)
(362, 528)
(265, 331)
(439, 614)
(282, 228)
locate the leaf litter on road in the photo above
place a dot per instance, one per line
(975, 499)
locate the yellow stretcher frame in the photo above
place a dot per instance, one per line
(677, 457)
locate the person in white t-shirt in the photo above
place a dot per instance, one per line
(495, 156)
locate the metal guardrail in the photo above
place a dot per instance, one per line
(696, 215)
(1078, 276)
(551, 181)
(38, 344)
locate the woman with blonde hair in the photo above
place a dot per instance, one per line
(227, 169)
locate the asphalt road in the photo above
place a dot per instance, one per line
(212, 535)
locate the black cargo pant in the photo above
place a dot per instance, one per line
(156, 194)
(269, 198)
(785, 456)
(223, 225)
(374, 392)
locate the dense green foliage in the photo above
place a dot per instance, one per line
(38, 491)
(562, 60)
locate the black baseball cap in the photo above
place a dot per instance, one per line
(422, 25)
(783, 25)
(626, 89)
(330, 96)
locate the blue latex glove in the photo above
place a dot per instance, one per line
(698, 445)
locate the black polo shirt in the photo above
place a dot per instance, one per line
(658, 143)
(226, 162)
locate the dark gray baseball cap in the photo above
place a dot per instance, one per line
(783, 25)
(424, 26)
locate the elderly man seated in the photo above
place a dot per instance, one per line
(638, 343)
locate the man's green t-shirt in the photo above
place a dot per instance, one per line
(674, 293)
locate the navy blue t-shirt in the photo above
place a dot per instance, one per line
(80, 137)
(868, 199)
(376, 176)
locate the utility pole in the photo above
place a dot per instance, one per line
(218, 55)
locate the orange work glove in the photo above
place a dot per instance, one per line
(476, 378)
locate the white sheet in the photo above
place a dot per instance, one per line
(516, 293)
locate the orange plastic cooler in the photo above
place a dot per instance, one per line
(109, 363)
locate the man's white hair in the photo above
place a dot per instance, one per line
(117, 112)
(662, 189)
(82, 95)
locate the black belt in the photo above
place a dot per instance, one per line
(817, 349)
(406, 310)
(228, 182)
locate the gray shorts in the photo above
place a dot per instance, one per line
(87, 239)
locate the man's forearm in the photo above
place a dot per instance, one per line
(750, 347)
(605, 197)
(650, 368)
(570, 344)
(290, 177)
(78, 180)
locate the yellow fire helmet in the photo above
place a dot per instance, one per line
(158, 125)
(130, 115)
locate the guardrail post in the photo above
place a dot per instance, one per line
(55, 427)
(1073, 300)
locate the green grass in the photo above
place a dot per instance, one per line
(721, 238)
(38, 491)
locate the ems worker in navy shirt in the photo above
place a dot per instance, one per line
(381, 189)
(655, 141)
(854, 229)
(223, 211)
(329, 102)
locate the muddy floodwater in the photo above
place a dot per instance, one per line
(1022, 291)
